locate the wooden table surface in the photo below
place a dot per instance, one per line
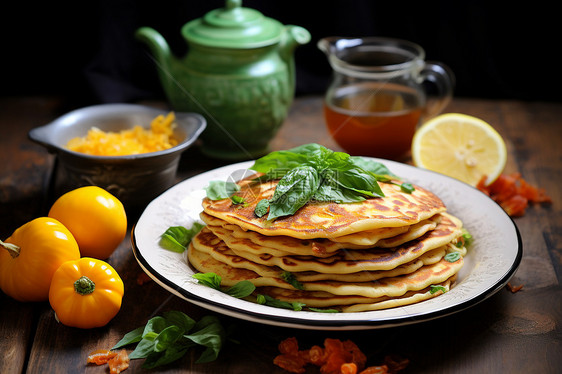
(509, 332)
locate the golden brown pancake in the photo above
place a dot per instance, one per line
(344, 261)
(218, 251)
(348, 304)
(335, 294)
(390, 236)
(327, 219)
(283, 244)
(428, 258)
(414, 232)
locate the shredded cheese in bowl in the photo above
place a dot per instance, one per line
(128, 142)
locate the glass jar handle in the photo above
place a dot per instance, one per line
(442, 81)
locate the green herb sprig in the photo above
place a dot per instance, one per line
(434, 289)
(290, 278)
(167, 338)
(312, 172)
(452, 256)
(270, 301)
(465, 239)
(239, 290)
(176, 238)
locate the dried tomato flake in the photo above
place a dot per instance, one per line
(336, 357)
(514, 289)
(119, 363)
(100, 356)
(349, 368)
(289, 346)
(383, 369)
(317, 355)
(513, 193)
(291, 363)
(357, 357)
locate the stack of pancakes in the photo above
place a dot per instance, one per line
(375, 254)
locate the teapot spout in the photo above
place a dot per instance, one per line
(292, 38)
(161, 53)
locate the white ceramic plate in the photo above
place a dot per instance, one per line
(490, 263)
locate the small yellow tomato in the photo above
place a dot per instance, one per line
(86, 293)
(31, 255)
(96, 218)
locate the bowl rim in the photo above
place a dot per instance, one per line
(42, 134)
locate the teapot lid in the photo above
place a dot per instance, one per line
(233, 27)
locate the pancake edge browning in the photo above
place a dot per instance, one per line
(327, 219)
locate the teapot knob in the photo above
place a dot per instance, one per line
(231, 4)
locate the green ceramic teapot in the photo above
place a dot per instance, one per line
(238, 73)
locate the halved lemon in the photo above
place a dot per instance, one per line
(460, 146)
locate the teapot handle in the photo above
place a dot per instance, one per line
(443, 79)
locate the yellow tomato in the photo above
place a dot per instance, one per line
(31, 255)
(86, 293)
(96, 218)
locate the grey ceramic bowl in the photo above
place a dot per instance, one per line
(134, 179)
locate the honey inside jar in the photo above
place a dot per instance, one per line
(374, 119)
(137, 140)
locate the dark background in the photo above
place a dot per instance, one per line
(86, 51)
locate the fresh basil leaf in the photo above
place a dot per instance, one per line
(212, 280)
(452, 256)
(218, 190)
(164, 339)
(290, 278)
(261, 208)
(466, 237)
(358, 180)
(336, 194)
(241, 289)
(323, 310)
(270, 301)
(209, 279)
(131, 337)
(286, 160)
(209, 333)
(173, 239)
(180, 319)
(154, 325)
(293, 191)
(407, 187)
(143, 349)
(433, 289)
(331, 191)
(167, 338)
(171, 354)
(373, 166)
(310, 149)
(237, 199)
(176, 238)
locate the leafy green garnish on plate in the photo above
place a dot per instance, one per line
(176, 238)
(290, 278)
(270, 301)
(433, 289)
(239, 290)
(217, 190)
(312, 172)
(452, 256)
